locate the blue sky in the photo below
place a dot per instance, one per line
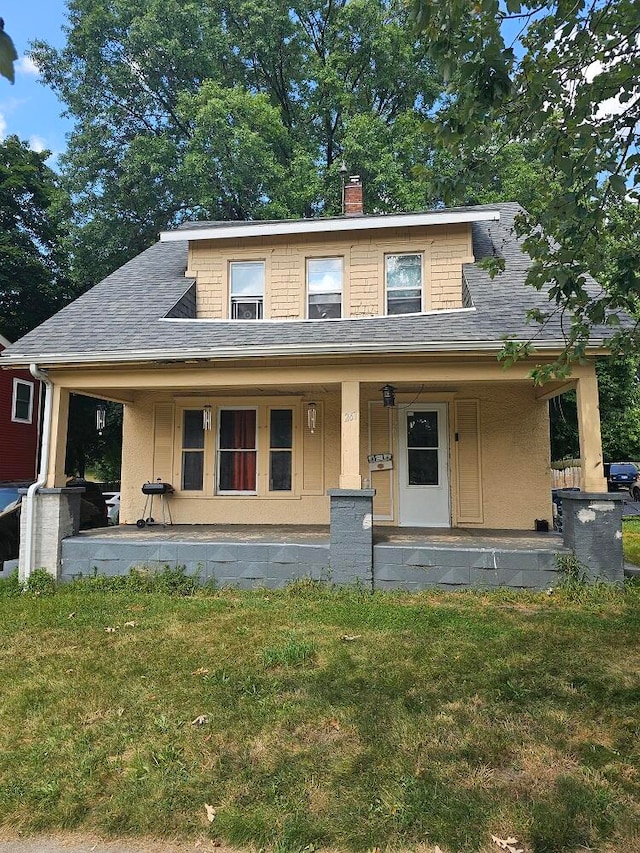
(29, 109)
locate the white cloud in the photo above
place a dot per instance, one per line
(3, 127)
(37, 143)
(26, 65)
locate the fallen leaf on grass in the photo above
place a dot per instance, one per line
(131, 624)
(508, 844)
(349, 638)
(211, 812)
(202, 720)
(201, 671)
(111, 630)
(71, 615)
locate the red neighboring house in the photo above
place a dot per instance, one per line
(19, 424)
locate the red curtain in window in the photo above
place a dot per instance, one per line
(243, 476)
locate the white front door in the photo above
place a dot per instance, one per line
(423, 466)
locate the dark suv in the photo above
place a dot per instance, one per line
(621, 475)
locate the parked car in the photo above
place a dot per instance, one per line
(8, 496)
(113, 506)
(10, 531)
(621, 475)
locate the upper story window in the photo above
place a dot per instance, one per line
(247, 289)
(403, 275)
(22, 403)
(324, 288)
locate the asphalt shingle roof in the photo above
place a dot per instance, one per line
(127, 312)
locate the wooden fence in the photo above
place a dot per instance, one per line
(568, 478)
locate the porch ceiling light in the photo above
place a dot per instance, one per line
(312, 416)
(388, 396)
(206, 418)
(101, 417)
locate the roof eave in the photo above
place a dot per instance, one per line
(323, 226)
(278, 351)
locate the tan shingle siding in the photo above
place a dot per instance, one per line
(444, 250)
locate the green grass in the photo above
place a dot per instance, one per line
(324, 718)
(631, 539)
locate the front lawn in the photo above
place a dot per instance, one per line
(311, 718)
(631, 539)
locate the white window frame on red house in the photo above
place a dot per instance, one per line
(14, 400)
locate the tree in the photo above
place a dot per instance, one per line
(8, 54)
(567, 81)
(34, 212)
(86, 449)
(165, 93)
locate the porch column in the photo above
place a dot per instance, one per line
(58, 447)
(593, 479)
(350, 436)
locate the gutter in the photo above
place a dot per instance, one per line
(279, 351)
(26, 569)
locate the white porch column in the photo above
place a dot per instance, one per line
(350, 436)
(593, 479)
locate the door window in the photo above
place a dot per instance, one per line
(422, 449)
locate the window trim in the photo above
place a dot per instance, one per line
(259, 299)
(342, 284)
(14, 399)
(218, 453)
(387, 255)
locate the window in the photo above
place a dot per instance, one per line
(324, 286)
(192, 450)
(404, 284)
(422, 448)
(247, 289)
(237, 451)
(280, 450)
(22, 404)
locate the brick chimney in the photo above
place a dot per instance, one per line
(353, 204)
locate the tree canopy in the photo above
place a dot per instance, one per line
(562, 76)
(166, 93)
(34, 215)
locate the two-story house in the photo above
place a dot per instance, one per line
(268, 367)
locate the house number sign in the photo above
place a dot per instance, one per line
(380, 461)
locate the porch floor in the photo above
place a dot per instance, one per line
(316, 534)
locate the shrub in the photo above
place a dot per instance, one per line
(10, 586)
(40, 582)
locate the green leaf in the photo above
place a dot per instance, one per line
(8, 54)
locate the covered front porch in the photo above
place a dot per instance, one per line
(465, 443)
(253, 450)
(249, 556)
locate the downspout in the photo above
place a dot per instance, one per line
(42, 474)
